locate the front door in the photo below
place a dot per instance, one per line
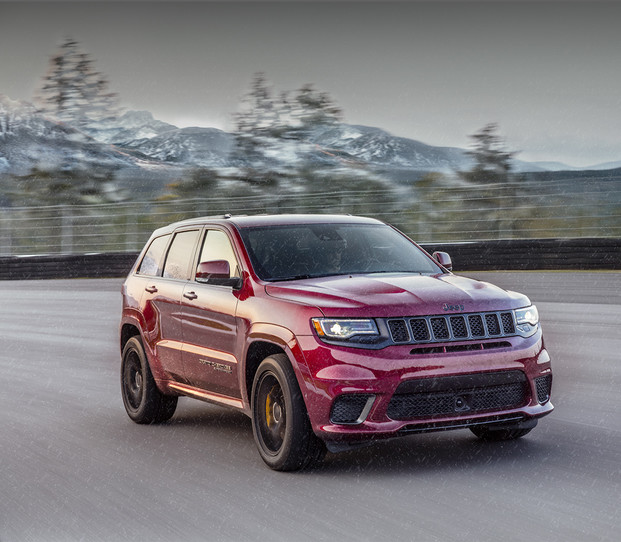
(210, 325)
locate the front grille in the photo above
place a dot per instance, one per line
(457, 395)
(348, 408)
(440, 329)
(446, 328)
(543, 384)
(507, 323)
(458, 326)
(476, 325)
(493, 327)
(398, 331)
(420, 331)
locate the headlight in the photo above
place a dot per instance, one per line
(529, 315)
(344, 328)
(526, 320)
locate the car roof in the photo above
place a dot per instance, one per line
(245, 221)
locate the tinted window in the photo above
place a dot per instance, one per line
(150, 264)
(218, 247)
(315, 250)
(177, 264)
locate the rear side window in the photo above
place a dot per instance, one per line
(150, 264)
(181, 250)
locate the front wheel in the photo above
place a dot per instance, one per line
(143, 402)
(280, 421)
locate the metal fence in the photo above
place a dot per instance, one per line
(428, 214)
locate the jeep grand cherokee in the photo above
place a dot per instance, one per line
(328, 332)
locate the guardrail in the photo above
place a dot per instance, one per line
(432, 211)
(512, 254)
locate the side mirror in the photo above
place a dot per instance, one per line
(217, 272)
(443, 259)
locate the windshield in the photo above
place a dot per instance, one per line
(318, 250)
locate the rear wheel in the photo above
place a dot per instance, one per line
(486, 432)
(143, 402)
(280, 421)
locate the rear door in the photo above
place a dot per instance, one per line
(161, 301)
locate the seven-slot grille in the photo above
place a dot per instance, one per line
(455, 327)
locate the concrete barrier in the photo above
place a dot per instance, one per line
(56, 266)
(514, 254)
(533, 254)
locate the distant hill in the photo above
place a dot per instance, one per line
(138, 142)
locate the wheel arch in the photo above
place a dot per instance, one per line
(257, 352)
(265, 340)
(128, 330)
(131, 327)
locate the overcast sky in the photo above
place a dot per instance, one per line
(549, 73)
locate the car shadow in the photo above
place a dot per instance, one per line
(197, 415)
(450, 451)
(447, 451)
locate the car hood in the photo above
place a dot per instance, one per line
(390, 295)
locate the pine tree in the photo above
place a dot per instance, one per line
(72, 91)
(492, 163)
(265, 119)
(255, 121)
(312, 108)
(492, 184)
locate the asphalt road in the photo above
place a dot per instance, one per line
(73, 467)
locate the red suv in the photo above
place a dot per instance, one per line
(329, 332)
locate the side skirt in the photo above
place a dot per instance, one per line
(196, 393)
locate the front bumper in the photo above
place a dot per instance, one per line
(440, 389)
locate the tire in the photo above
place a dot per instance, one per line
(143, 402)
(485, 432)
(280, 423)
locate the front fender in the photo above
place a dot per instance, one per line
(286, 340)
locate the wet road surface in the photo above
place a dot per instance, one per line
(74, 467)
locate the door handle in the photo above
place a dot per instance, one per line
(151, 289)
(190, 295)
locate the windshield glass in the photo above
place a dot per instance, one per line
(318, 250)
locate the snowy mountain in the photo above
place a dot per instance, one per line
(206, 147)
(132, 125)
(379, 148)
(29, 139)
(138, 141)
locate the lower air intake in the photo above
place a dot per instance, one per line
(464, 394)
(348, 409)
(544, 388)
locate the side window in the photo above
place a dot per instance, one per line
(218, 247)
(181, 250)
(150, 264)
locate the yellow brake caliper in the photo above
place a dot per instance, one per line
(268, 409)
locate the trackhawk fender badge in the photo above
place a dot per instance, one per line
(447, 307)
(216, 366)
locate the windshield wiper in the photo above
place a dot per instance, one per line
(295, 277)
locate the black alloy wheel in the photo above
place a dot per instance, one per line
(143, 401)
(280, 421)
